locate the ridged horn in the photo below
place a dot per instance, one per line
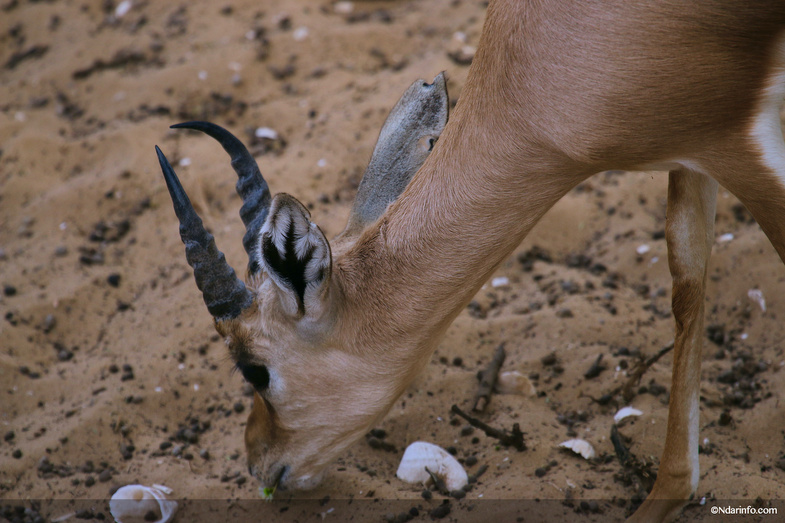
(251, 186)
(224, 294)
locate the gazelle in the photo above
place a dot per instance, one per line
(330, 336)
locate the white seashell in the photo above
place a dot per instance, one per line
(300, 34)
(343, 8)
(626, 412)
(132, 502)
(513, 382)
(163, 488)
(642, 249)
(266, 132)
(420, 455)
(725, 238)
(579, 446)
(500, 281)
(756, 295)
(468, 51)
(122, 8)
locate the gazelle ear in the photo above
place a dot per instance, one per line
(296, 255)
(405, 141)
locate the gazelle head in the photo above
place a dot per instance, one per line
(316, 390)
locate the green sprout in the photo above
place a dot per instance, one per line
(266, 493)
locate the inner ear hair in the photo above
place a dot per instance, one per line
(295, 253)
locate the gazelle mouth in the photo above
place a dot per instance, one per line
(279, 477)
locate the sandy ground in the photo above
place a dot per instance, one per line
(112, 374)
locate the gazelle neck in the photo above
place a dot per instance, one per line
(425, 258)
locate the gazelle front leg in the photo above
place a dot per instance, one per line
(689, 232)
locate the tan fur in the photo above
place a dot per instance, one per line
(557, 92)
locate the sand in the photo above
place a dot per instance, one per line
(112, 373)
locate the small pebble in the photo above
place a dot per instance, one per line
(127, 451)
(17, 454)
(89, 481)
(655, 389)
(378, 433)
(441, 511)
(300, 34)
(113, 280)
(105, 476)
(464, 55)
(189, 435)
(540, 472)
(50, 321)
(458, 494)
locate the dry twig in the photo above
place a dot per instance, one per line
(508, 439)
(637, 372)
(488, 378)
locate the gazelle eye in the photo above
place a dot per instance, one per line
(257, 375)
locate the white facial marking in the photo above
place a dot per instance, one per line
(694, 428)
(766, 131)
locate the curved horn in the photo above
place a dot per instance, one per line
(224, 294)
(251, 186)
